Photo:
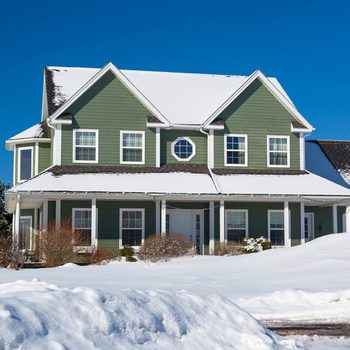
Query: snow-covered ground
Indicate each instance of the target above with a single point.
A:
(187, 303)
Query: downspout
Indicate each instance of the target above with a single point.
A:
(208, 157)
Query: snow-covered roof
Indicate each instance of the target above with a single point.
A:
(35, 131)
(184, 183)
(183, 98)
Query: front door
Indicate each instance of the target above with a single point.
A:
(188, 223)
(309, 226)
(25, 233)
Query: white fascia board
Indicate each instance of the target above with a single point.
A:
(11, 143)
(61, 122)
(275, 92)
(306, 131)
(124, 80)
(184, 126)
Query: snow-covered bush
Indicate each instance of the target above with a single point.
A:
(10, 255)
(254, 245)
(229, 248)
(162, 248)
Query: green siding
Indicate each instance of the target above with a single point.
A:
(341, 212)
(258, 114)
(109, 107)
(323, 217)
(17, 158)
(44, 156)
(168, 137)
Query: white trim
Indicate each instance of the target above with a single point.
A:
(287, 223)
(158, 147)
(31, 230)
(14, 165)
(123, 79)
(210, 149)
(17, 216)
(302, 150)
(302, 222)
(335, 218)
(157, 209)
(347, 219)
(211, 228)
(268, 137)
(58, 145)
(193, 149)
(58, 215)
(222, 222)
(121, 210)
(312, 233)
(96, 131)
(10, 144)
(122, 132)
(245, 211)
(275, 92)
(36, 166)
(233, 150)
(77, 248)
(94, 228)
(163, 217)
(45, 214)
(20, 149)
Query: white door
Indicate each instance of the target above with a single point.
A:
(25, 233)
(189, 223)
(309, 226)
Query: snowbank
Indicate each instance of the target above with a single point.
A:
(38, 315)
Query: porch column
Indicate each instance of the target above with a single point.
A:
(347, 218)
(93, 222)
(222, 222)
(163, 218)
(287, 240)
(157, 218)
(302, 222)
(157, 147)
(58, 215)
(211, 228)
(17, 219)
(335, 218)
(45, 215)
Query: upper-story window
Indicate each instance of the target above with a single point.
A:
(85, 146)
(132, 147)
(278, 151)
(236, 150)
(183, 149)
(25, 161)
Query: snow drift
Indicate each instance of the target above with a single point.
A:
(38, 315)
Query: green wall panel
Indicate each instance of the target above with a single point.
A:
(44, 156)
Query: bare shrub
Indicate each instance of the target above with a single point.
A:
(157, 248)
(56, 247)
(102, 255)
(10, 255)
(229, 248)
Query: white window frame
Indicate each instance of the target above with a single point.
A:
(79, 228)
(268, 150)
(122, 132)
(31, 230)
(20, 149)
(193, 149)
(96, 131)
(245, 149)
(246, 220)
(121, 210)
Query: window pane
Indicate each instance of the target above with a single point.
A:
(276, 220)
(235, 235)
(85, 138)
(278, 158)
(82, 153)
(132, 140)
(277, 237)
(236, 225)
(183, 149)
(26, 164)
(132, 155)
(235, 142)
(82, 219)
(132, 237)
(234, 157)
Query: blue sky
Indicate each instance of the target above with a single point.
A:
(303, 43)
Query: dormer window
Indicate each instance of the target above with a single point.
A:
(85, 146)
(25, 161)
(183, 149)
(278, 151)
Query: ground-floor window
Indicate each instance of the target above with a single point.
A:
(81, 222)
(132, 226)
(25, 233)
(236, 225)
(276, 227)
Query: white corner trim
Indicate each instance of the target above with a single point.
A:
(222, 222)
(302, 222)
(14, 165)
(287, 224)
(36, 166)
(302, 150)
(20, 149)
(96, 131)
(121, 147)
(210, 149)
(268, 150)
(158, 147)
(193, 149)
(121, 210)
(245, 150)
(58, 145)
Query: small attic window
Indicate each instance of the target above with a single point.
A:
(183, 149)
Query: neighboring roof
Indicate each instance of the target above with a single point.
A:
(40, 130)
(182, 98)
(336, 152)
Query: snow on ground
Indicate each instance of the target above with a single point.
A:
(196, 296)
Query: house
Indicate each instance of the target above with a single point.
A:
(125, 154)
